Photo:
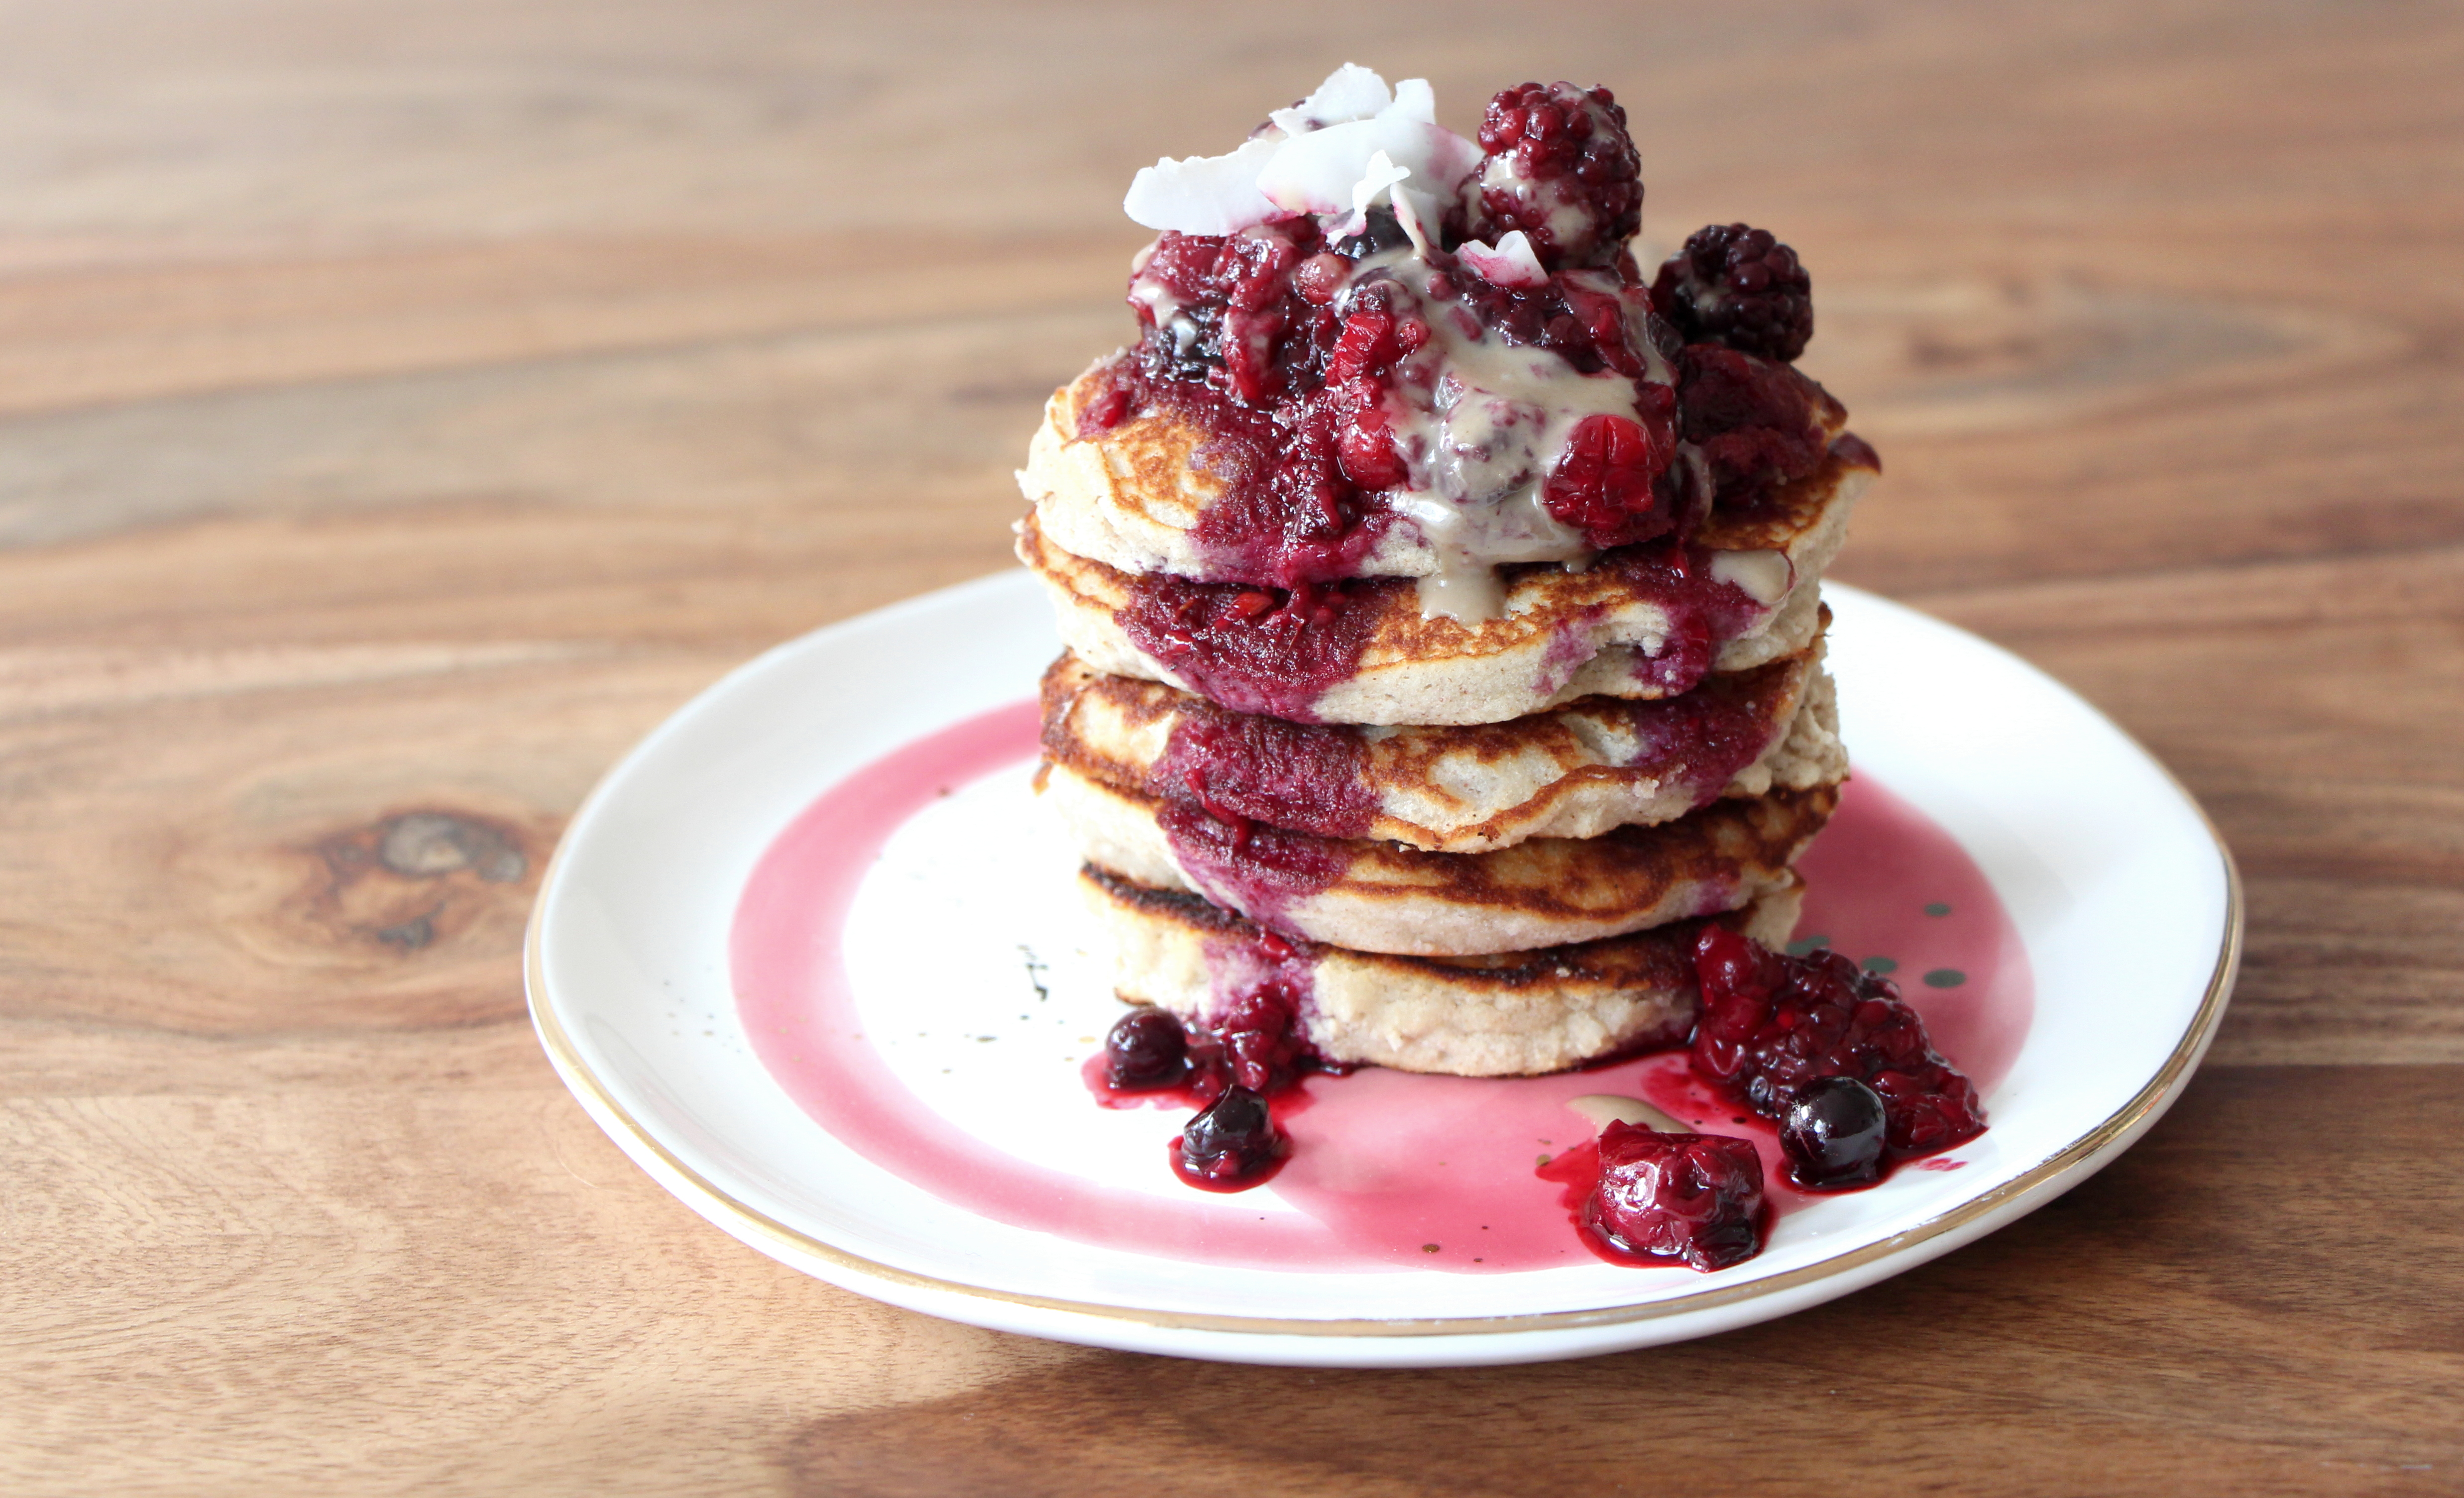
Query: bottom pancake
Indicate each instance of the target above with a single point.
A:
(1512, 1014)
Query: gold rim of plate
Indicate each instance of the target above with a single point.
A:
(2169, 1076)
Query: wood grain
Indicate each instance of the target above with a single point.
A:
(404, 409)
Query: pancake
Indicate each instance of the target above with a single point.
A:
(1575, 771)
(1380, 896)
(1503, 1015)
(1131, 498)
(1611, 631)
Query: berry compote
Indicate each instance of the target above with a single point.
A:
(1235, 1071)
(1772, 1027)
(1490, 377)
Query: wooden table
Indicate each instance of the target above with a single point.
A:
(403, 408)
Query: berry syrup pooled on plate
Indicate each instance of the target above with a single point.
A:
(1411, 377)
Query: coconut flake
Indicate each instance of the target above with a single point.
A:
(1204, 194)
(1509, 262)
(1415, 213)
(1318, 172)
(1345, 147)
(1381, 174)
(1351, 92)
(1413, 100)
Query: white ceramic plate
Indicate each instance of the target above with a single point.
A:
(2125, 901)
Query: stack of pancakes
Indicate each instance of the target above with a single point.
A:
(1485, 849)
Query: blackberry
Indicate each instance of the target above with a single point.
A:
(1740, 287)
(1214, 309)
(1756, 421)
(1560, 167)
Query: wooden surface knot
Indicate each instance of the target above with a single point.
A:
(408, 880)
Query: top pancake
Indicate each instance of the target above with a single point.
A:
(1130, 498)
(1602, 632)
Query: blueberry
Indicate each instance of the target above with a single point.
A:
(1146, 1049)
(1234, 1138)
(1832, 1135)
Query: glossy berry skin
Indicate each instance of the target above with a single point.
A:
(1770, 1024)
(1832, 1135)
(1740, 287)
(1233, 1139)
(1693, 1197)
(1561, 168)
(1146, 1049)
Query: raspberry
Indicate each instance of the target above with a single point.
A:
(1561, 168)
(1604, 484)
(1771, 1026)
(1740, 287)
(1366, 449)
(1678, 1196)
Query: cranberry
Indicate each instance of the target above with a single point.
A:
(1232, 1140)
(1831, 1135)
(1740, 287)
(1770, 1024)
(1678, 1196)
(1147, 1049)
(1561, 168)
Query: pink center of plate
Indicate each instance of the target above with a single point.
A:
(1389, 1170)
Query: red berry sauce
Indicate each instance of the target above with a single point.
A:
(1772, 1024)
(1251, 648)
(1237, 765)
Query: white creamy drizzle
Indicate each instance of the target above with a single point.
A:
(1763, 576)
(1479, 422)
